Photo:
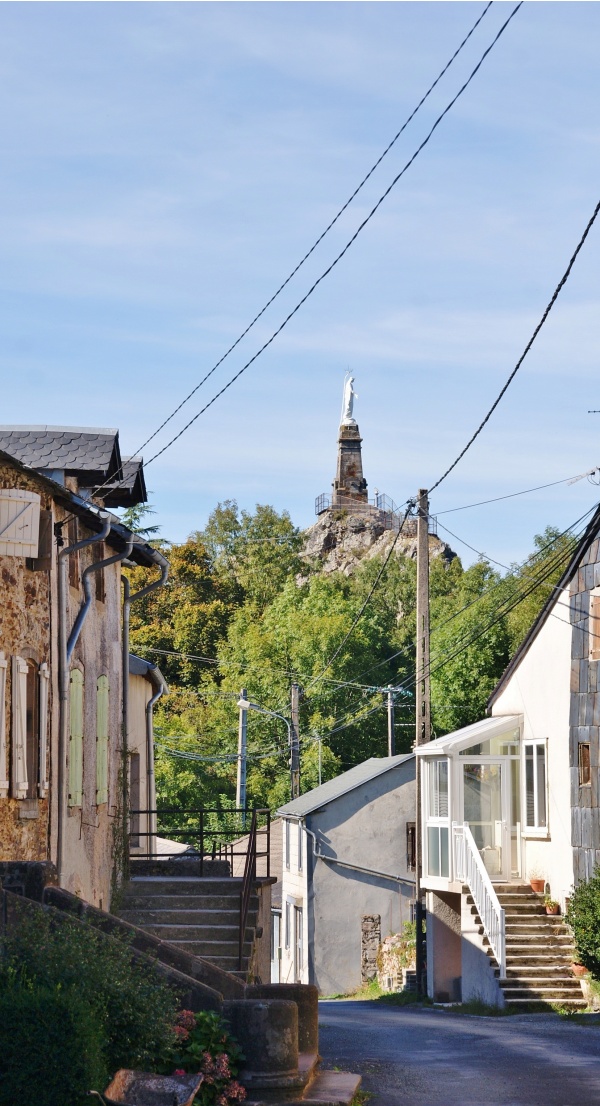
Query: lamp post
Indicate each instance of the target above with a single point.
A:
(245, 705)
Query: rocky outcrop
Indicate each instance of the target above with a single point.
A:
(340, 539)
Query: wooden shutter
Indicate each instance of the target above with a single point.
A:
(76, 738)
(4, 784)
(19, 728)
(43, 782)
(102, 740)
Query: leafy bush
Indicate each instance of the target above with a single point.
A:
(133, 1007)
(51, 1047)
(583, 916)
(204, 1044)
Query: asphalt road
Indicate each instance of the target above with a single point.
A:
(422, 1057)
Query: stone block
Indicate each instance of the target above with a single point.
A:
(306, 998)
(370, 934)
(267, 1032)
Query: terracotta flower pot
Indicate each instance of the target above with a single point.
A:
(553, 909)
(538, 885)
(578, 969)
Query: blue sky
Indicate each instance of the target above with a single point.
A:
(166, 164)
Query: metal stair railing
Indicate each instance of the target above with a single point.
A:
(247, 885)
(470, 869)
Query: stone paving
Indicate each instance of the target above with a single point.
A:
(413, 1056)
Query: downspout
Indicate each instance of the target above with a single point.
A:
(161, 689)
(63, 677)
(87, 589)
(356, 867)
(128, 599)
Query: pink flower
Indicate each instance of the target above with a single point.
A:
(179, 1071)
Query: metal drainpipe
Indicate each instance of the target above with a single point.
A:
(128, 599)
(161, 689)
(87, 591)
(63, 686)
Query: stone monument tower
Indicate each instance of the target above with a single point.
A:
(349, 486)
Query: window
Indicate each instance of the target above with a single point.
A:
(76, 738)
(288, 913)
(594, 625)
(438, 789)
(411, 846)
(102, 740)
(300, 843)
(585, 771)
(535, 786)
(44, 688)
(4, 783)
(20, 783)
(287, 845)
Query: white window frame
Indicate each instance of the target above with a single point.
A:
(536, 830)
(287, 844)
(300, 847)
(4, 780)
(287, 934)
(437, 821)
(20, 781)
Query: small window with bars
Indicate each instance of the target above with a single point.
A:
(585, 771)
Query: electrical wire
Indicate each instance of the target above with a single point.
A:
(514, 372)
(512, 495)
(349, 243)
(323, 234)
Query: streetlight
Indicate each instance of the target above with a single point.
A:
(244, 706)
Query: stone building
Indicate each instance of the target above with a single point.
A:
(62, 649)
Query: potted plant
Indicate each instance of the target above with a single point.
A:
(579, 970)
(537, 883)
(552, 907)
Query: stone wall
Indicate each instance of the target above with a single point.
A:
(584, 721)
(370, 940)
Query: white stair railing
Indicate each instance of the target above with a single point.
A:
(470, 869)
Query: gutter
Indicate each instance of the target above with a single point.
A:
(163, 564)
(159, 683)
(355, 867)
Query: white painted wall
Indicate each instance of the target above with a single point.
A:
(539, 689)
(294, 891)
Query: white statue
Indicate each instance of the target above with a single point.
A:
(348, 401)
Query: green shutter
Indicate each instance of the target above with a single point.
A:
(76, 738)
(102, 740)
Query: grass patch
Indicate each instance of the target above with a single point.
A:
(361, 1098)
(372, 992)
(478, 1009)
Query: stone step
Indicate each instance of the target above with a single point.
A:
(204, 918)
(223, 885)
(540, 989)
(171, 931)
(562, 963)
(205, 947)
(568, 1003)
(183, 902)
(550, 971)
(332, 1088)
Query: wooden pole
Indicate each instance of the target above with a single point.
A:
(391, 723)
(423, 710)
(240, 792)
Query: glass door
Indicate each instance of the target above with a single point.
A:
(486, 797)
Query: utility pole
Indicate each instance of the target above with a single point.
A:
(240, 791)
(423, 708)
(391, 722)
(295, 742)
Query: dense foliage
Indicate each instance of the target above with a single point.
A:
(51, 1047)
(242, 609)
(584, 918)
(131, 1008)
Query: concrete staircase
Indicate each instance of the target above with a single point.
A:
(198, 915)
(539, 952)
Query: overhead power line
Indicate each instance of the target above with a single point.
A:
(350, 242)
(325, 232)
(512, 495)
(559, 287)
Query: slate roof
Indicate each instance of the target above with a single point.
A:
(92, 453)
(130, 487)
(138, 666)
(341, 785)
